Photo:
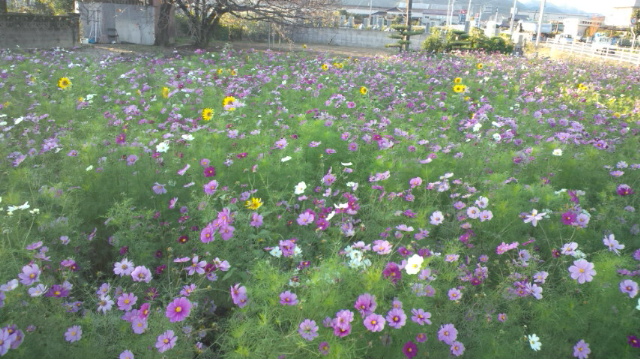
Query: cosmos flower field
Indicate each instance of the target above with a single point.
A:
(303, 205)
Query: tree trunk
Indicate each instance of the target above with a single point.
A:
(3, 6)
(408, 36)
(162, 34)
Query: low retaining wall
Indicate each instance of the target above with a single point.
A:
(28, 31)
(351, 37)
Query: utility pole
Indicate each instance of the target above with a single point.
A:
(542, 5)
(468, 18)
(513, 17)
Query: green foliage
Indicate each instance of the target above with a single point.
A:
(460, 40)
(378, 146)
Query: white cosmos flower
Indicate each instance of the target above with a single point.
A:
(300, 187)
(414, 263)
(162, 146)
(285, 159)
(557, 152)
(534, 341)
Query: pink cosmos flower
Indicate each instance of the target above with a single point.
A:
(447, 333)
(126, 301)
(73, 334)
(30, 274)
(374, 322)
(582, 271)
(629, 287)
(178, 310)
(581, 350)
(288, 298)
(166, 341)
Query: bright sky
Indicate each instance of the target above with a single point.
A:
(600, 6)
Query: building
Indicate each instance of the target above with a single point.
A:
(130, 21)
(579, 28)
(620, 13)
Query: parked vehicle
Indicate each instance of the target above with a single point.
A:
(563, 39)
(604, 45)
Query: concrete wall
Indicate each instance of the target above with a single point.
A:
(351, 37)
(29, 31)
(135, 24)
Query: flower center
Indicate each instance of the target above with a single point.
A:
(178, 309)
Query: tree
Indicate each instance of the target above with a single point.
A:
(204, 15)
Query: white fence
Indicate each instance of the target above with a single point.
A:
(612, 53)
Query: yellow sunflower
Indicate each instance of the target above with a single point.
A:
(363, 90)
(219, 71)
(64, 82)
(207, 114)
(459, 88)
(165, 92)
(582, 87)
(457, 80)
(338, 65)
(479, 66)
(253, 203)
(325, 67)
(233, 72)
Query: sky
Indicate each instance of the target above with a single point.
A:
(599, 6)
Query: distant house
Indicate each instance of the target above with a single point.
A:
(619, 15)
(128, 21)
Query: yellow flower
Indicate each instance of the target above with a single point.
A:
(325, 67)
(582, 87)
(459, 88)
(233, 72)
(253, 203)
(616, 114)
(64, 82)
(338, 65)
(457, 80)
(228, 101)
(304, 46)
(80, 99)
(363, 90)
(479, 66)
(207, 114)
(219, 72)
(165, 92)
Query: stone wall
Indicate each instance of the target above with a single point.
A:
(28, 31)
(350, 37)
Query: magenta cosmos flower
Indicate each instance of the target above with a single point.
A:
(365, 304)
(447, 333)
(178, 310)
(374, 322)
(239, 295)
(581, 350)
(624, 190)
(73, 334)
(410, 349)
(166, 341)
(582, 271)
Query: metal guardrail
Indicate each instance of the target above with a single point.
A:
(612, 53)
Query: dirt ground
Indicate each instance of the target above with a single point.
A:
(132, 49)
